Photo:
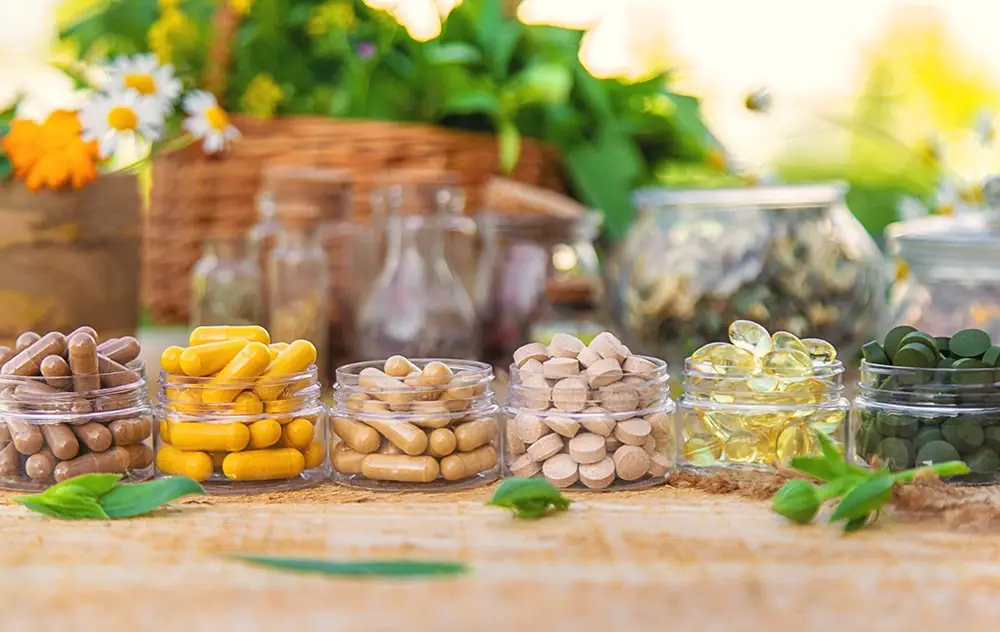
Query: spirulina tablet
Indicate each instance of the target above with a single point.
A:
(895, 337)
(937, 452)
(970, 343)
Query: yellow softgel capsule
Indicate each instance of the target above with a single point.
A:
(247, 403)
(829, 422)
(209, 358)
(750, 336)
(217, 333)
(298, 357)
(787, 363)
(702, 449)
(170, 360)
(741, 447)
(785, 340)
(763, 384)
(730, 359)
(703, 353)
(314, 455)
(793, 440)
(209, 437)
(248, 363)
(275, 348)
(264, 465)
(298, 433)
(820, 351)
(264, 433)
(195, 465)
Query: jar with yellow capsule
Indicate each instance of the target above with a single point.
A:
(241, 415)
(759, 400)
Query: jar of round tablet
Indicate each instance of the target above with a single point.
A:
(403, 424)
(906, 417)
(242, 434)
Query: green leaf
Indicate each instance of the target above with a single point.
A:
(599, 183)
(509, 140)
(841, 485)
(373, 568)
(798, 500)
(528, 497)
(473, 102)
(94, 484)
(830, 451)
(6, 168)
(543, 83)
(686, 117)
(126, 501)
(943, 470)
(817, 467)
(865, 498)
(454, 53)
(66, 503)
(855, 524)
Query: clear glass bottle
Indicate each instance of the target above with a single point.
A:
(417, 307)
(262, 237)
(225, 284)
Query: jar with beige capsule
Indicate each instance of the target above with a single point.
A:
(415, 425)
(589, 416)
(71, 405)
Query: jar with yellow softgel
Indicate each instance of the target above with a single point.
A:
(759, 400)
(241, 414)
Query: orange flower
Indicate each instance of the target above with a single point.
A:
(51, 154)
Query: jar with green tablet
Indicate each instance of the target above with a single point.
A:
(929, 399)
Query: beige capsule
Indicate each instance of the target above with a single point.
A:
(39, 466)
(532, 351)
(374, 406)
(566, 426)
(357, 435)
(401, 468)
(525, 466)
(633, 431)
(565, 346)
(461, 465)
(570, 394)
(441, 442)
(587, 447)
(473, 434)
(345, 460)
(27, 438)
(607, 346)
(388, 447)
(465, 386)
(453, 404)
(631, 462)
(558, 368)
(436, 374)
(399, 366)
(383, 387)
(25, 340)
(547, 446)
(97, 437)
(530, 428)
(430, 414)
(355, 401)
(598, 475)
(129, 431)
(113, 461)
(407, 437)
(604, 372)
(561, 470)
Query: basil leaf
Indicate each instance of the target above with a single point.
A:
(528, 497)
(817, 467)
(66, 503)
(127, 501)
(373, 568)
(855, 524)
(830, 451)
(865, 498)
(95, 484)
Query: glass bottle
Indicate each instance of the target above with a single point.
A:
(417, 307)
(262, 237)
(225, 284)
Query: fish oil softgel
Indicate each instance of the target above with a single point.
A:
(759, 399)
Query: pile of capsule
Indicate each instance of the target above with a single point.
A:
(68, 409)
(754, 399)
(236, 409)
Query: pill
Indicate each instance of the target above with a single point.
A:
(374, 406)
(298, 357)
(248, 363)
(588, 357)
(547, 446)
(170, 360)
(28, 361)
(650, 445)
(358, 436)
(398, 366)
(140, 456)
(525, 466)
(532, 366)
(345, 460)
(465, 464)
(129, 431)
(247, 403)
(604, 372)
(61, 440)
(619, 397)
(430, 414)
(474, 434)
(113, 461)
(25, 340)
(441, 442)
(10, 460)
(658, 465)
(453, 404)
(530, 428)
(609, 347)
(56, 372)
(566, 426)
(97, 437)
(388, 447)
(397, 467)
(355, 401)
(598, 475)
(282, 409)
(264, 433)
(561, 470)
(384, 388)
(263, 465)
(532, 351)
(611, 444)
(598, 420)
(90, 331)
(534, 391)
(4, 434)
(633, 431)
(516, 446)
(587, 447)
(27, 437)
(164, 431)
(196, 465)
(570, 394)
(121, 350)
(465, 386)
(34, 392)
(314, 455)
(407, 437)
(83, 363)
(209, 358)
(436, 374)
(298, 433)
(558, 368)
(275, 348)
(6, 353)
(638, 365)
(215, 333)
(565, 346)
(113, 374)
(39, 466)
(631, 462)
(209, 437)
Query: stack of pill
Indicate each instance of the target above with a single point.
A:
(588, 415)
(415, 422)
(72, 404)
(239, 408)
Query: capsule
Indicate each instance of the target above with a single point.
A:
(28, 361)
(264, 465)
(247, 403)
(129, 431)
(56, 372)
(113, 461)
(209, 358)
(275, 348)
(465, 464)
(398, 467)
(358, 436)
(121, 350)
(209, 437)
(216, 333)
(298, 433)
(187, 401)
(170, 360)
(474, 434)
(140, 456)
(114, 373)
(265, 433)
(407, 437)
(345, 460)
(298, 357)
(248, 363)
(83, 362)
(282, 409)
(196, 465)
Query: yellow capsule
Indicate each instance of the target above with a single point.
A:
(741, 447)
(314, 455)
(196, 465)
(209, 358)
(785, 340)
(702, 449)
(170, 360)
(263, 465)
(250, 362)
(264, 433)
(209, 437)
(247, 403)
(282, 407)
(820, 351)
(793, 440)
(787, 363)
(750, 336)
(730, 360)
(216, 333)
(298, 357)
(723, 423)
(763, 384)
(702, 354)
(298, 433)
(275, 348)
(829, 422)
(164, 431)
(186, 401)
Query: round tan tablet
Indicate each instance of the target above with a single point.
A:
(561, 470)
(531, 351)
(531, 366)
(633, 431)
(660, 423)
(547, 446)
(611, 444)
(638, 364)
(598, 475)
(565, 346)
(587, 447)
(570, 394)
(530, 428)
(587, 357)
(514, 442)
(619, 397)
(607, 346)
(650, 445)
(647, 394)
(659, 465)
(558, 368)
(565, 426)
(598, 421)
(631, 462)
(604, 372)
(536, 392)
(524, 465)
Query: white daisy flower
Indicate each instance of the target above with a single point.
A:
(111, 118)
(146, 76)
(208, 122)
(954, 199)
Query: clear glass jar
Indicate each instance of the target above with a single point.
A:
(245, 435)
(949, 274)
(792, 258)
(906, 417)
(225, 284)
(417, 307)
(388, 435)
(262, 238)
(617, 436)
(744, 421)
(48, 435)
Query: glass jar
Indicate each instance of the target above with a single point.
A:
(792, 258)
(949, 274)
(742, 421)
(225, 284)
(244, 435)
(48, 435)
(617, 436)
(417, 307)
(389, 435)
(905, 417)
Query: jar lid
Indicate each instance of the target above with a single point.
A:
(968, 239)
(543, 228)
(783, 196)
(508, 196)
(327, 189)
(417, 192)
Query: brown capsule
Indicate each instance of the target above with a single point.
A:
(56, 372)
(27, 437)
(121, 350)
(140, 456)
(90, 331)
(6, 353)
(61, 440)
(25, 340)
(83, 363)
(10, 460)
(129, 431)
(113, 461)
(344, 459)
(39, 466)
(465, 464)
(113, 373)
(4, 435)
(95, 436)
(33, 391)
(29, 361)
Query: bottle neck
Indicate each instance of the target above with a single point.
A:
(416, 234)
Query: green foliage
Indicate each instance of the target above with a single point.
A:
(102, 497)
(6, 117)
(396, 569)
(528, 498)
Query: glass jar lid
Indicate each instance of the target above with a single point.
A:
(969, 241)
(778, 196)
